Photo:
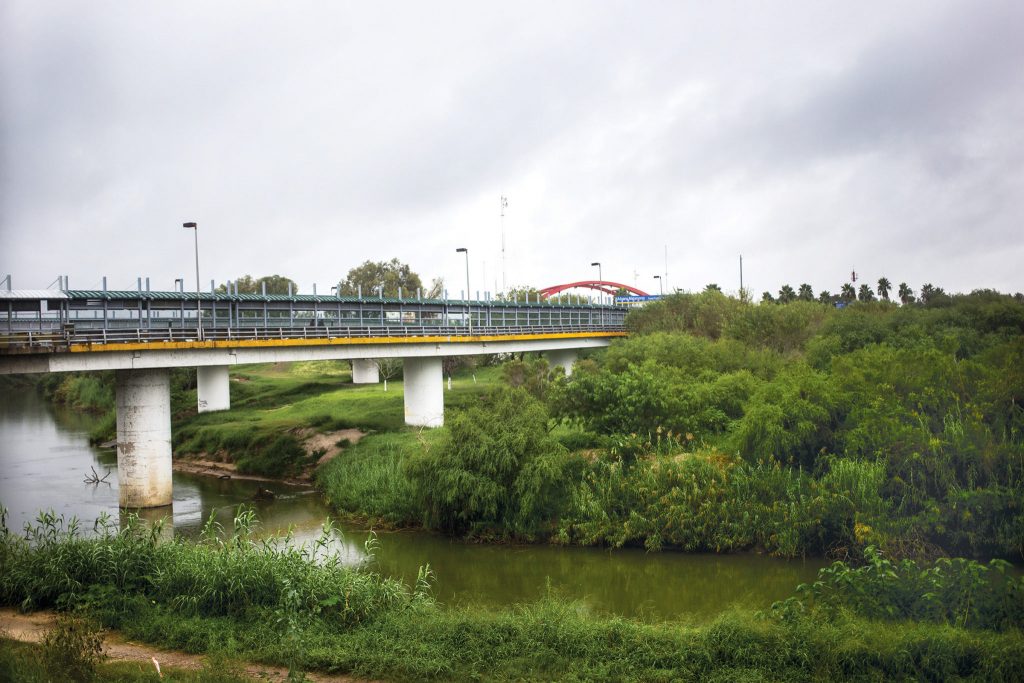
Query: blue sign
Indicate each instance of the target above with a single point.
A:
(636, 299)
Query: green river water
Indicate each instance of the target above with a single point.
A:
(44, 456)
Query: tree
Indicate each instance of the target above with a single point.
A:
(388, 368)
(906, 293)
(865, 294)
(806, 292)
(388, 276)
(786, 294)
(930, 293)
(848, 293)
(767, 298)
(883, 288)
(825, 297)
(436, 290)
(498, 470)
(276, 284)
(714, 287)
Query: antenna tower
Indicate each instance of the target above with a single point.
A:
(504, 203)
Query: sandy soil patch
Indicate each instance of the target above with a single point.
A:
(328, 442)
(215, 465)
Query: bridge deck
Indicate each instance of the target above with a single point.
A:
(57, 321)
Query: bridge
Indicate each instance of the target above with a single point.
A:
(141, 334)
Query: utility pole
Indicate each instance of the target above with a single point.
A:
(666, 263)
(741, 277)
(504, 203)
(199, 302)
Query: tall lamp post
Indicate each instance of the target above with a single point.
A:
(469, 309)
(599, 279)
(199, 302)
(661, 290)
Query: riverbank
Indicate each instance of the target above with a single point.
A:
(274, 604)
(320, 448)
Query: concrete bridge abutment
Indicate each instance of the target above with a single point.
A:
(365, 371)
(143, 400)
(562, 358)
(213, 388)
(424, 392)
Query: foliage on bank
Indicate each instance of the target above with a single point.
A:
(932, 396)
(230, 596)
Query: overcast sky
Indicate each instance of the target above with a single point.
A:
(308, 137)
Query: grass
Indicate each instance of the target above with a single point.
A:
(276, 604)
(269, 401)
(30, 663)
(369, 479)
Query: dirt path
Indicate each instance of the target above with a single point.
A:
(30, 628)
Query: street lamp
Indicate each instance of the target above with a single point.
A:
(661, 290)
(469, 310)
(599, 279)
(199, 302)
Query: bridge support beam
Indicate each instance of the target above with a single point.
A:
(364, 371)
(143, 399)
(213, 388)
(562, 358)
(424, 392)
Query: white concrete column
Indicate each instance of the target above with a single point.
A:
(143, 399)
(213, 388)
(424, 392)
(562, 358)
(364, 371)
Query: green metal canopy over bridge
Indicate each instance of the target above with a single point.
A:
(40, 321)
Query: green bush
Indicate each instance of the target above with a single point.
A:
(792, 418)
(958, 592)
(497, 471)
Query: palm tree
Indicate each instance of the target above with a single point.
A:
(825, 297)
(906, 293)
(786, 294)
(865, 294)
(806, 292)
(927, 292)
(712, 288)
(883, 288)
(767, 298)
(848, 293)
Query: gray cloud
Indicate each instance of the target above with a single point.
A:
(308, 139)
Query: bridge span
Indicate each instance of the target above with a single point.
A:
(141, 335)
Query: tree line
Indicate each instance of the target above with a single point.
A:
(929, 293)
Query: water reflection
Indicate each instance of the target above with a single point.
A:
(44, 456)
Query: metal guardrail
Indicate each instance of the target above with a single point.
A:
(52, 340)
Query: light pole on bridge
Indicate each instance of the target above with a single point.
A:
(469, 309)
(199, 302)
(600, 278)
(661, 289)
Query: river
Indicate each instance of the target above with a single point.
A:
(45, 455)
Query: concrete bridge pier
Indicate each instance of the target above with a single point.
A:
(213, 388)
(562, 358)
(364, 371)
(424, 392)
(143, 399)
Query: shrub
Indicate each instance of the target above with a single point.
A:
(498, 470)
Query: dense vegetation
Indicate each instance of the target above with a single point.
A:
(721, 425)
(299, 607)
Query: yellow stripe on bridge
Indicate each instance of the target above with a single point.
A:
(327, 341)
